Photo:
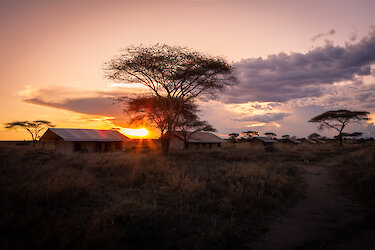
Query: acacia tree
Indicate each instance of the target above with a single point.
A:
(189, 123)
(351, 135)
(176, 75)
(270, 134)
(233, 137)
(249, 134)
(314, 136)
(338, 119)
(153, 110)
(34, 127)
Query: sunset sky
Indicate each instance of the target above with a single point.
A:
(295, 59)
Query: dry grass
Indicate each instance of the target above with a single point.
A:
(214, 199)
(356, 173)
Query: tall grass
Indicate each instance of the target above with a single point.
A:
(214, 199)
(356, 172)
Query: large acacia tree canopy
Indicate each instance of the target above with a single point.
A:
(171, 71)
(339, 118)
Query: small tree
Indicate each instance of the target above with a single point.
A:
(175, 75)
(233, 137)
(270, 134)
(285, 136)
(314, 136)
(188, 123)
(34, 127)
(249, 134)
(338, 119)
(352, 135)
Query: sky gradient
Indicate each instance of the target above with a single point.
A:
(295, 59)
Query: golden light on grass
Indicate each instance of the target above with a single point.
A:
(135, 133)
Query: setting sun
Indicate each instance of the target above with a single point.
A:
(135, 133)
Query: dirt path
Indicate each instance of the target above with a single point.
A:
(320, 216)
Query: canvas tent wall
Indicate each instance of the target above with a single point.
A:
(265, 141)
(195, 140)
(69, 141)
(290, 140)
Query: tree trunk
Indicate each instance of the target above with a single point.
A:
(165, 140)
(340, 138)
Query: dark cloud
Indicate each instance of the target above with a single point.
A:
(330, 32)
(94, 103)
(283, 77)
(89, 105)
(266, 118)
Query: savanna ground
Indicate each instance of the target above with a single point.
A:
(224, 198)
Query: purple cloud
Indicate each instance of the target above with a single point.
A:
(283, 77)
(266, 118)
(330, 32)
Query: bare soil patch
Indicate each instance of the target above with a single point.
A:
(324, 218)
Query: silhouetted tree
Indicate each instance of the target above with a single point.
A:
(338, 119)
(172, 73)
(270, 134)
(233, 137)
(314, 136)
(351, 135)
(189, 123)
(34, 127)
(249, 134)
(285, 136)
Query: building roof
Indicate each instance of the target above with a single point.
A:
(309, 140)
(293, 140)
(320, 141)
(68, 134)
(264, 139)
(200, 137)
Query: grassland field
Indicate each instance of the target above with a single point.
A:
(137, 199)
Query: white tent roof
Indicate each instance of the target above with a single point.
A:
(264, 139)
(201, 137)
(68, 134)
(295, 141)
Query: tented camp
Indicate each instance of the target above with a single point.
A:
(265, 141)
(307, 141)
(183, 140)
(290, 140)
(69, 141)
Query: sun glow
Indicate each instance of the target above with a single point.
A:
(135, 133)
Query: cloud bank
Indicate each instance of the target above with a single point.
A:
(283, 77)
(266, 118)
